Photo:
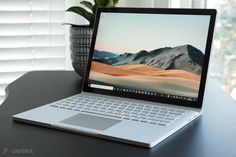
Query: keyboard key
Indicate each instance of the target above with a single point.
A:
(147, 109)
(142, 117)
(117, 113)
(172, 116)
(128, 109)
(121, 108)
(136, 111)
(153, 113)
(153, 123)
(126, 115)
(139, 108)
(164, 112)
(135, 116)
(103, 108)
(144, 121)
(144, 112)
(163, 108)
(161, 115)
(126, 103)
(162, 124)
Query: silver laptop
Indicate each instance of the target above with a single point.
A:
(145, 77)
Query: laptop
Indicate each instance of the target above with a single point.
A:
(145, 78)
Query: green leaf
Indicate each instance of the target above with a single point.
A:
(101, 3)
(87, 4)
(95, 7)
(109, 3)
(115, 2)
(84, 13)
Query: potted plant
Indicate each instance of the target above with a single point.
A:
(81, 35)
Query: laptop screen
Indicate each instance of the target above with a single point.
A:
(158, 55)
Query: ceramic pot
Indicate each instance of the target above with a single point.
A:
(80, 41)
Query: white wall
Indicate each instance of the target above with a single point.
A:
(164, 3)
(144, 3)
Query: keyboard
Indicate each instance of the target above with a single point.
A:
(139, 112)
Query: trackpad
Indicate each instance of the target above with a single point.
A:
(89, 121)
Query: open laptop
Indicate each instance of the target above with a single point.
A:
(145, 77)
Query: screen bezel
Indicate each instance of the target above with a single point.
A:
(198, 103)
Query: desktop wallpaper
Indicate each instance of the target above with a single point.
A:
(150, 52)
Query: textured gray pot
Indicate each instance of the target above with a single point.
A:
(80, 39)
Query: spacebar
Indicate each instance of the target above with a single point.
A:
(102, 114)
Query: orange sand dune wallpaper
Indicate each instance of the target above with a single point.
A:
(167, 70)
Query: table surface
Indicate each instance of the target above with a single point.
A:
(211, 135)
